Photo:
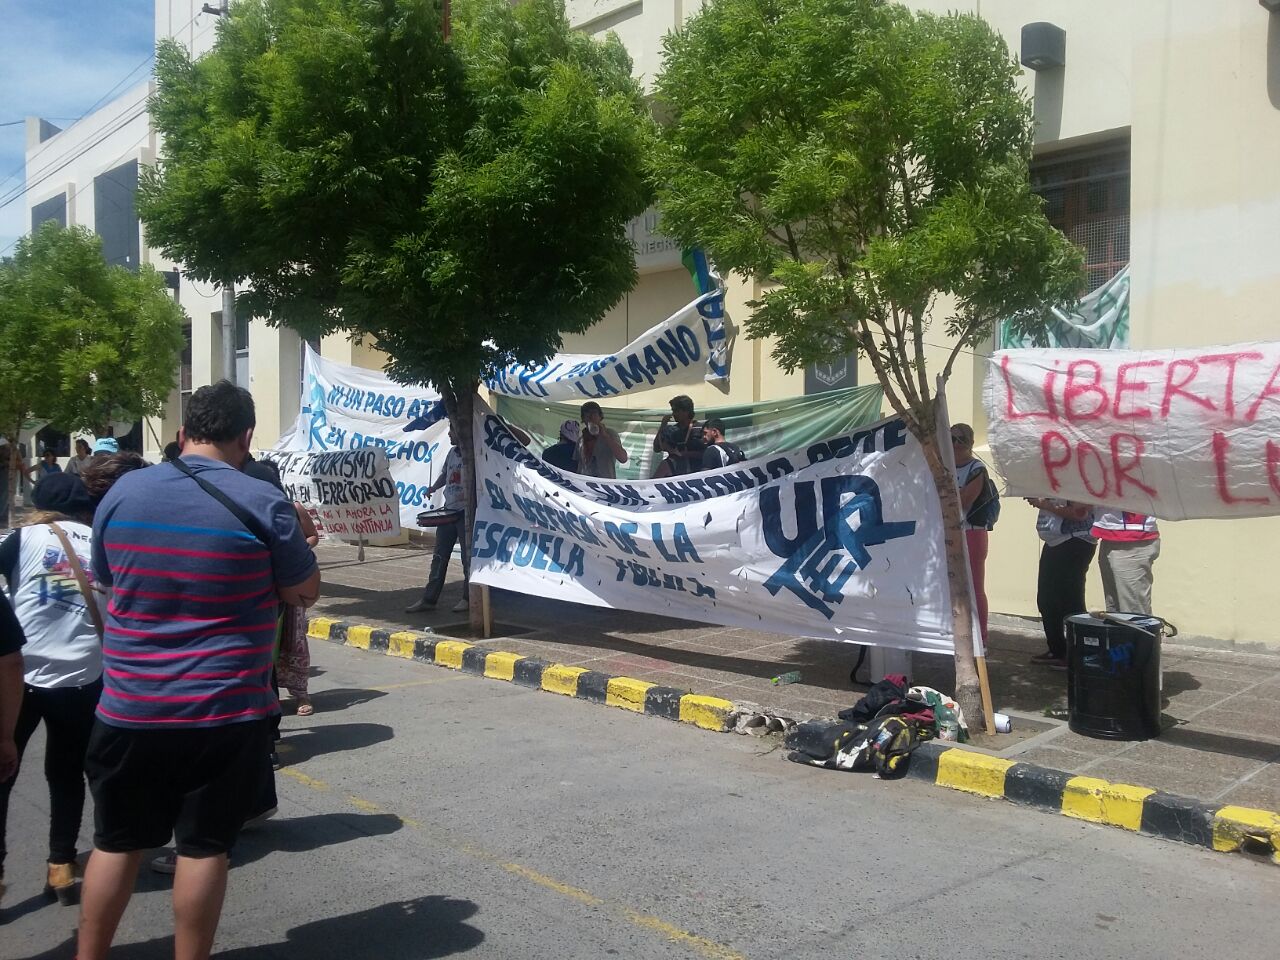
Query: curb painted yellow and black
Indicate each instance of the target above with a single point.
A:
(1137, 809)
(638, 696)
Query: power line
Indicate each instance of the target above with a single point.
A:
(101, 100)
(137, 143)
(20, 191)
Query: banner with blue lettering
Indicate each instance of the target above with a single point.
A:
(690, 345)
(842, 539)
(351, 408)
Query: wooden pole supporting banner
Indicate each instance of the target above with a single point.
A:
(984, 686)
(486, 608)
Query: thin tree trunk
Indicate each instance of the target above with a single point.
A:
(459, 401)
(967, 692)
(12, 467)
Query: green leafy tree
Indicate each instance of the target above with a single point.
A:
(869, 166)
(460, 203)
(82, 343)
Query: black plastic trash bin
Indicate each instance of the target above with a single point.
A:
(1114, 684)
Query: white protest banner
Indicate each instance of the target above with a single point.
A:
(690, 345)
(1176, 434)
(349, 493)
(349, 408)
(841, 540)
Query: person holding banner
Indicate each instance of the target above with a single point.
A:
(1069, 545)
(564, 455)
(448, 534)
(971, 477)
(682, 441)
(1130, 546)
(720, 452)
(599, 449)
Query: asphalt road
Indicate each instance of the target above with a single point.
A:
(431, 814)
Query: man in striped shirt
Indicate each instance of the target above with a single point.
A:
(196, 558)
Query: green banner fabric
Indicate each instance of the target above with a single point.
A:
(774, 426)
(1099, 321)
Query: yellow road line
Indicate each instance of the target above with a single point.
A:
(303, 779)
(708, 948)
(702, 946)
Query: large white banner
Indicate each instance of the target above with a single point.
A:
(350, 408)
(349, 493)
(689, 346)
(842, 540)
(1177, 434)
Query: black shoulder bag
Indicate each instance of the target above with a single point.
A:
(251, 523)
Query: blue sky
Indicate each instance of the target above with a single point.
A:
(57, 58)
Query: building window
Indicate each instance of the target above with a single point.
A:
(1086, 196)
(115, 216)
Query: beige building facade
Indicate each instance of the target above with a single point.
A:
(1157, 147)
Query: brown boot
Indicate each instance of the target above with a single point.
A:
(62, 883)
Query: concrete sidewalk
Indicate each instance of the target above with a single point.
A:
(1221, 743)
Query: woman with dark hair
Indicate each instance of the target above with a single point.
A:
(47, 564)
(293, 658)
(105, 469)
(82, 458)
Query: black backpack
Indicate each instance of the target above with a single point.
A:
(732, 452)
(986, 509)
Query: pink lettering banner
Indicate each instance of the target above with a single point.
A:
(1177, 434)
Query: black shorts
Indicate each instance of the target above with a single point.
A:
(198, 785)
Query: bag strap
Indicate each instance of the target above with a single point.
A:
(86, 591)
(251, 523)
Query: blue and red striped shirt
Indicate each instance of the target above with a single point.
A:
(191, 622)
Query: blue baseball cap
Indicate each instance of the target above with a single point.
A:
(106, 445)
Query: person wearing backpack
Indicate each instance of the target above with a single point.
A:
(720, 452)
(980, 501)
(46, 564)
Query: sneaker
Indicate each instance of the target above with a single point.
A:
(166, 864)
(419, 606)
(462, 606)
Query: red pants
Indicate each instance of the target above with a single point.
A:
(977, 543)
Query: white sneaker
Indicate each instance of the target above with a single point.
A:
(462, 606)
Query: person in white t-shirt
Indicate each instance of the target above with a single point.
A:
(448, 534)
(62, 658)
(82, 458)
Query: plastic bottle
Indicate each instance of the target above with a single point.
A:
(948, 722)
(791, 676)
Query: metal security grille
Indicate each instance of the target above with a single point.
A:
(1086, 196)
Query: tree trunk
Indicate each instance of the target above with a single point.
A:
(12, 468)
(967, 692)
(459, 401)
